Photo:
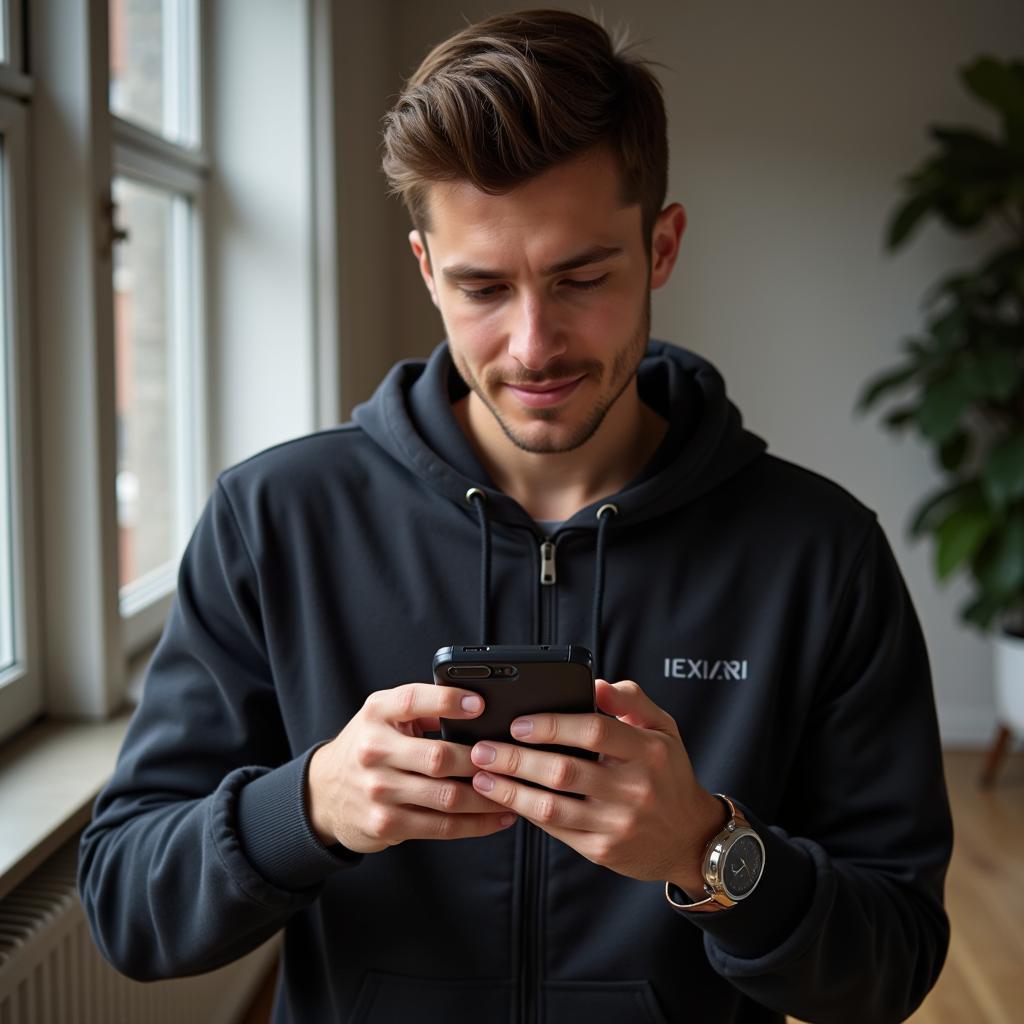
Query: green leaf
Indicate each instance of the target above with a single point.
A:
(992, 374)
(959, 537)
(938, 505)
(966, 204)
(1003, 474)
(900, 419)
(877, 386)
(945, 400)
(998, 85)
(982, 610)
(953, 452)
(949, 327)
(905, 219)
(972, 154)
(1000, 570)
(959, 285)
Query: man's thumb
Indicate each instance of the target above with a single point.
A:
(628, 703)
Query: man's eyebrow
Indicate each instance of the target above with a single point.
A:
(595, 254)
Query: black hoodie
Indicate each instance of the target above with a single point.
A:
(759, 603)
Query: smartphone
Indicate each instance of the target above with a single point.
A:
(514, 681)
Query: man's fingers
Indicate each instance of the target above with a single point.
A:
(435, 825)
(411, 701)
(438, 759)
(585, 731)
(544, 809)
(556, 771)
(449, 796)
(628, 703)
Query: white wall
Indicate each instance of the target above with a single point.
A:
(260, 263)
(790, 124)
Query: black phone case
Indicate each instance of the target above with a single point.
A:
(547, 678)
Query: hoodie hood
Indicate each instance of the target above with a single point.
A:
(410, 416)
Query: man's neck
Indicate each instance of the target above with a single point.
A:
(554, 486)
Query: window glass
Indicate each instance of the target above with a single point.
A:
(7, 581)
(148, 290)
(153, 65)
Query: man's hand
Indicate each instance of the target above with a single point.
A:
(644, 814)
(380, 782)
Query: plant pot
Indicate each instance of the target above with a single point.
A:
(1009, 673)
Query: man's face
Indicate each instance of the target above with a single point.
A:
(545, 296)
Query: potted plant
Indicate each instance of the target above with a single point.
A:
(965, 373)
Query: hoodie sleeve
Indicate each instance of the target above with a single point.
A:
(847, 923)
(199, 848)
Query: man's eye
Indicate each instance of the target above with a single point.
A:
(481, 294)
(586, 285)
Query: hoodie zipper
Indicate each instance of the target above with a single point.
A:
(530, 967)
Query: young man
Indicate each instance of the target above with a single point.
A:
(281, 772)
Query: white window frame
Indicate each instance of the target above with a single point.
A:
(21, 691)
(180, 169)
(77, 147)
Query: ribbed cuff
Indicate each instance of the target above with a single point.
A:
(773, 911)
(276, 835)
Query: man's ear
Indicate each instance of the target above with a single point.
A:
(665, 238)
(418, 244)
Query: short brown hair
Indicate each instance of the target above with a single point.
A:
(511, 96)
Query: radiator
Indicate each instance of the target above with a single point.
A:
(51, 973)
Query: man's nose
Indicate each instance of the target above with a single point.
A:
(535, 338)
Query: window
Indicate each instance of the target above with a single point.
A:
(154, 66)
(105, 451)
(20, 694)
(157, 200)
(7, 584)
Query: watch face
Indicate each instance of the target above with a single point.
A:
(742, 867)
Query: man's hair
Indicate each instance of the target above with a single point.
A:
(511, 96)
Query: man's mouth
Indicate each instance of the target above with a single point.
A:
(549, 392)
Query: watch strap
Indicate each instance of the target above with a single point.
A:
(712, 902)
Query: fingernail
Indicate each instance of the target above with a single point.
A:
(483, 781)
(507, 819)
(484, 753)
(471, 702)
(522, 727)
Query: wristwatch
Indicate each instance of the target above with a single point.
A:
(732, 866)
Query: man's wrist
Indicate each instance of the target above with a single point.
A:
(713, 818)
(319, 828)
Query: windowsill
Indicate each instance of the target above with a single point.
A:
(49, 778)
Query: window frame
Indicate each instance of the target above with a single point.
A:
(21, 689)
(180, 169)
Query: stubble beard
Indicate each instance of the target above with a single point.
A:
(623, 369)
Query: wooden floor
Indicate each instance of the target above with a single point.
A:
(983, 980)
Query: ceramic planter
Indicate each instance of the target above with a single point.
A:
(1009, 676)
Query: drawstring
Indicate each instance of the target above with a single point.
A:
(604, 517)
(477, 497)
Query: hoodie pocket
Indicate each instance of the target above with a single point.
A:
(602, 1002)
(387, 998)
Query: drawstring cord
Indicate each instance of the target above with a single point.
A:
(477, 498)
(604, 517)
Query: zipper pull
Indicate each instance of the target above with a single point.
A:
(547, 563)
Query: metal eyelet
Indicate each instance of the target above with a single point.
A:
(607, 509)
(475, 492)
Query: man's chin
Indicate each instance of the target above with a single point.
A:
(545, 435)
